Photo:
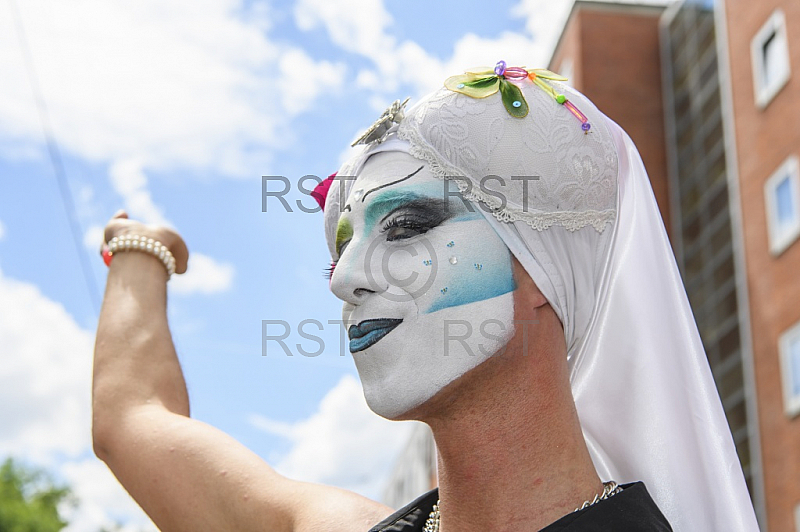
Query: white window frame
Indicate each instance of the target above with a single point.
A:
(775, 25)
(782, 238)
(791, 402)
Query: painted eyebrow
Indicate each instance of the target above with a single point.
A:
(409, 176)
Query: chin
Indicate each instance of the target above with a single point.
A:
(404, 371)
(396, 403)
(410, 400)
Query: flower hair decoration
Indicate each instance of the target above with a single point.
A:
(483, 82)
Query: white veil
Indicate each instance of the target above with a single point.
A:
(664, 419)
(590, 234)
(647, 401)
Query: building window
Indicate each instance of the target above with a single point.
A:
(789, 347)
(769, 50)
(782, 193)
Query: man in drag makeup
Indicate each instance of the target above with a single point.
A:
(507, 280)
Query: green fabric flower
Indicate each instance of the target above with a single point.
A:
(483, 82)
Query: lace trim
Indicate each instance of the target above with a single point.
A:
(570, 220)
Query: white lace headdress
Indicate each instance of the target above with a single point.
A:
(574, 204)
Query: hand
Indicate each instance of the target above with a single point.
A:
(120, 225)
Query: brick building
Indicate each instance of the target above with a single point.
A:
(709, 92)
(762, 42)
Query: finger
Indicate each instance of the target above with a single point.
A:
(115, 227)
(114, 224)
(181, 254)
(170, 238)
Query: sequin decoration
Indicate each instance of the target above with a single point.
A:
(484, 82)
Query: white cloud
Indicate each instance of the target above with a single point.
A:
(172, 84)
(362, 27)
(45, 375)
(93, 238)
(104, 504)
(343, 444)
(544, 19)
(86, 202)
(204, 276)
(45, 383)
(130, 182)
(354, 25)
(298, 93)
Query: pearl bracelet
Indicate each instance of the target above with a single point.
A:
(143, 243)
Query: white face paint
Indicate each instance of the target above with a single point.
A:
(427, 283)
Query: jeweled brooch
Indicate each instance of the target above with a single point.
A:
(378, 131)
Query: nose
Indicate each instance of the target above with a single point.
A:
(355, 277)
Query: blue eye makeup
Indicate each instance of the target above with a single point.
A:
(404, 212)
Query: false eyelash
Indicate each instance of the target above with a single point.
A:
(414, 223)
(406, 222)
(328, 272)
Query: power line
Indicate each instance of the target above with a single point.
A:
(56, 161)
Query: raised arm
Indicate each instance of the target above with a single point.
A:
(186, 474)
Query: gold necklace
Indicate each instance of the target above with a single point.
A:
(610, 489)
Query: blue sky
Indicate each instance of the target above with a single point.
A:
(173, 110)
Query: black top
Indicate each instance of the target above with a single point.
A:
(631, 510)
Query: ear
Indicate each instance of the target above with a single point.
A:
(527, 291)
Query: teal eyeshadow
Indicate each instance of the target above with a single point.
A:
(389, 200)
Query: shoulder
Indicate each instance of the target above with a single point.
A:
(316, 508)
(632, 510)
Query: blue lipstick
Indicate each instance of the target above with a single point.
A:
(369, 332)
